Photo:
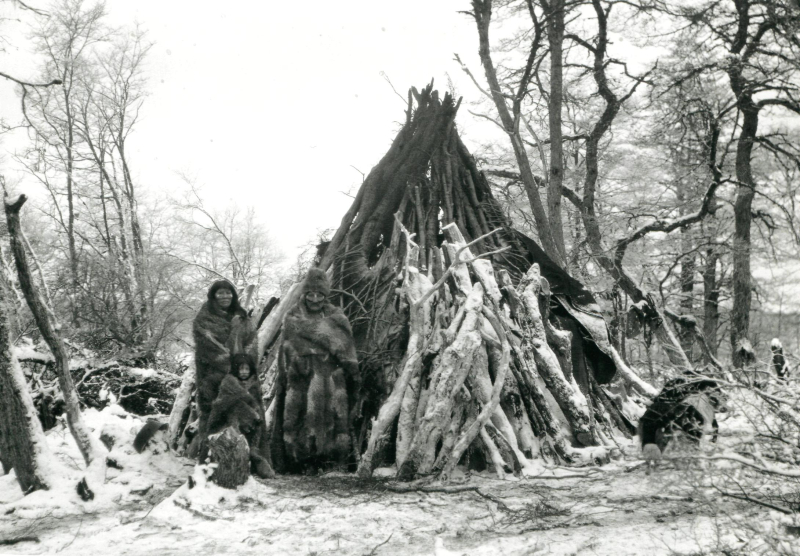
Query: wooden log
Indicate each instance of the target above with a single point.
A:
(460, 272)
(415, 287)
(446, 381)
(406, 422)
(229, 450)
(272, 324)
(469, 434)
(457, 420)
(569, 398)
(181, 408)
(619, 419)
(507, 452)
(537, 406)
(512, 405)
(499, 465)
(630, 377)
(481, 385)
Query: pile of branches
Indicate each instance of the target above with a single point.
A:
(141, 391)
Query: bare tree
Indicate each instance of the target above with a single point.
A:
(65, 39)
(223, 242)
(511, 118)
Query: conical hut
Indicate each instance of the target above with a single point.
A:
(474, 346)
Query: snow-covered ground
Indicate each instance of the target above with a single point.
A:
(148, 507)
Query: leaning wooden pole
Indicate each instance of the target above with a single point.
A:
(88, 447)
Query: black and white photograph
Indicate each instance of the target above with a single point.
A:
(370, 278)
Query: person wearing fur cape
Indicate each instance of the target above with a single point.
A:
(221, 327)
(317, 384)
(239, 404)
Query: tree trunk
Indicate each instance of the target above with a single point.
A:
(742, 213)
(229, 450)
(23, 445)
(555, 36)
(88, 447)
(710, 300)
(482, 11)
(687, 287)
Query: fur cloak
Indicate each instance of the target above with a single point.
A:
(235, 405)
(239, 404)
(214, 330)
(318, 381)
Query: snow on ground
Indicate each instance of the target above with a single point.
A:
(148, 507)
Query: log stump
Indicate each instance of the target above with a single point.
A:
(229, 450)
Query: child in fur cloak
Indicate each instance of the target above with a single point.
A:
(317, 385)
(239, 404)
(212, 329)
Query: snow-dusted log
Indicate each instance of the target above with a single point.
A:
(490, 406)
(23, 445)
(90, 448)
(537, 404)
(629, 376)
(415, 288)
(271, 326)
(446, 381)
(568, 396)
(181, 409)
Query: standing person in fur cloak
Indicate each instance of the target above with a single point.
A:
(220, 322)
(318, 382)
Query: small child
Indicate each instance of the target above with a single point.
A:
(239, 404)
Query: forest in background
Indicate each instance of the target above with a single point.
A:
(650, 148)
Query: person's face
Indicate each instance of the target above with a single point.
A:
(244, 371)
(315, 301)
(224, 297)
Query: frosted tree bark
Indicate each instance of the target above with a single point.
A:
(22, 442)
(178, 417)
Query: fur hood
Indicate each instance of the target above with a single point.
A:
(234, 309)
(316, 281)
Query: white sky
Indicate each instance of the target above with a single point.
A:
(272, 103)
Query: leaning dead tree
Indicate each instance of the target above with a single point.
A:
(473, 345)
(89, 447)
